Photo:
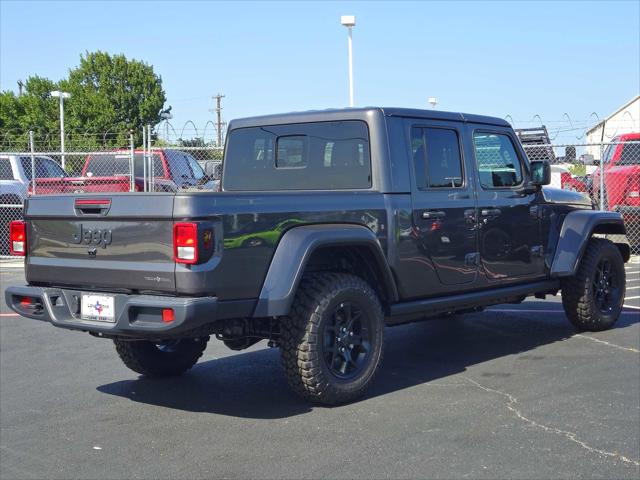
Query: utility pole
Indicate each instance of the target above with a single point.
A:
(218, 111)
(20, 87)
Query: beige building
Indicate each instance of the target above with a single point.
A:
(624, 120)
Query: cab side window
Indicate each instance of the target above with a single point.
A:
(436, 158)
(498, 164)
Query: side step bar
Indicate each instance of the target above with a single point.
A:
(463, 301)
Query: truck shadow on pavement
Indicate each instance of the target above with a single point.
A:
(252, 385)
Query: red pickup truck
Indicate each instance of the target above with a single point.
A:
(621, 165)
(110, 172)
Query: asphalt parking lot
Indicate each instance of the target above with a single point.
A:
(512, 392)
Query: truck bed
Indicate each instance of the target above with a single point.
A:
(128, 247)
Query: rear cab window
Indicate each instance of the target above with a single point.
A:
(301, 156)
(118, 164)
(499, 165)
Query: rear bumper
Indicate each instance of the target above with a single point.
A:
(138, 316)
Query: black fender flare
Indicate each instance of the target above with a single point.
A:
(577, 229)
(293, 252)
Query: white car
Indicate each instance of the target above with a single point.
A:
(15, 176)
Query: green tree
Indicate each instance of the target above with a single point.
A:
(110, 96)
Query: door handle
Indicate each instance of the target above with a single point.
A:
(433, 214)
(490, 212)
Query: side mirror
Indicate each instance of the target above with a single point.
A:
(540, 172)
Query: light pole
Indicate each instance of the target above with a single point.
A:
(349, 21)
(61, 95)
(433, 101)
(166, 116)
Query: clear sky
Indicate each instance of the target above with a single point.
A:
(498, 58)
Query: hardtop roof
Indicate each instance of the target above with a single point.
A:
(361, 113)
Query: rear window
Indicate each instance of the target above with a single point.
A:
(303, 156)
(436, 158)
(111, 165)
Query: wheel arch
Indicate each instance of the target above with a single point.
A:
(577, 228)
(312, 246)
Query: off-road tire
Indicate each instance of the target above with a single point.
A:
(302, 333)
(578, 295)
(150, 360)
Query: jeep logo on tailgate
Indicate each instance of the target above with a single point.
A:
(95, 237)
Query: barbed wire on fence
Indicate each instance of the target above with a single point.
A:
(606, 172)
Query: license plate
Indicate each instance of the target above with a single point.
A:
(99, 308)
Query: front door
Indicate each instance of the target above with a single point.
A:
(444, 210)
(508, 219)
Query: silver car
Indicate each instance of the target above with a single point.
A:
(15, 176)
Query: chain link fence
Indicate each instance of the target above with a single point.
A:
(33, 164)
(608, 173)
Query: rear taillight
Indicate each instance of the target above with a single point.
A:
(17, 238)
(633, 190)
(634, 187)
(185, 242)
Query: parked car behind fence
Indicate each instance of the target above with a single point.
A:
(16, 182)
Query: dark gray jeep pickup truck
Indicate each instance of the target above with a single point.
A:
(330, 226)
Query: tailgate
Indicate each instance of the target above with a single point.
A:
(118, 242)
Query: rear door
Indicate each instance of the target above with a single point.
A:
(444, 208)
(119, 242)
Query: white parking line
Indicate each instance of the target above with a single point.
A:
(589, 337)
(633, 288)
(632, 298)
